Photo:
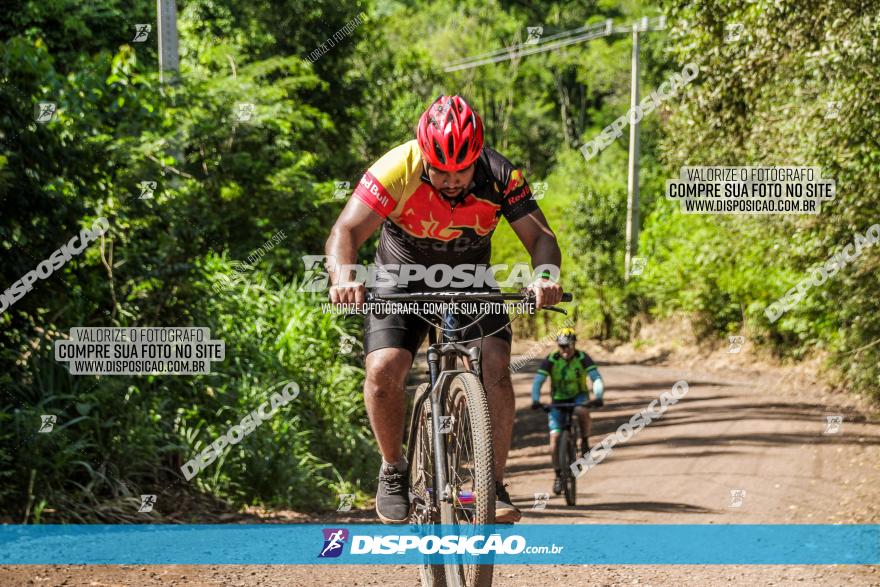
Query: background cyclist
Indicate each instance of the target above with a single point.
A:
(568, 369)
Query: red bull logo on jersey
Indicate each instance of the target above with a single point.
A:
(426, 214)
(516, 181)
(375, 189)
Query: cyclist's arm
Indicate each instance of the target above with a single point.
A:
(540, 241)
(598, 384)
(528, 222)
(595, 377)
(353, 227)
(540, 378)
(373, 199)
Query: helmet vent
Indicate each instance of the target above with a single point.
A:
(439, 152)
(462, 153)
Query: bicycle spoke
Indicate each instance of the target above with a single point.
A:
(422, 479)
(463, 479)
(461, 461)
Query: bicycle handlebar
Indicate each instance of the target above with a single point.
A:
(462, 296)
(432, 296)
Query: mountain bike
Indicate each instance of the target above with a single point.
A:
(566, 448)
(449, 441)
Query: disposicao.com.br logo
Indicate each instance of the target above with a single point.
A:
(334, 540)
(447, 544)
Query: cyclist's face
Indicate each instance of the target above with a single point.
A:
(567, 350)
(451, 184)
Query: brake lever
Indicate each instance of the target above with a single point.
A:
(530, 297)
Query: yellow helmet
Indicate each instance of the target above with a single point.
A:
(566, 337)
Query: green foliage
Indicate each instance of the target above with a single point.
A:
(313, 448)
(764, 101)
(227, 186)
(118, 437)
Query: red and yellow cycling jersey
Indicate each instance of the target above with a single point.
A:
(421, 226)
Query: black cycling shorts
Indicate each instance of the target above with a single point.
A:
(408, 331)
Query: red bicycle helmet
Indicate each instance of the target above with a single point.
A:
(450, 134)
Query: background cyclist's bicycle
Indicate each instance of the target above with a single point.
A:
(566, 448)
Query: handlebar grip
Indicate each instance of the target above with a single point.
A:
(566, 297)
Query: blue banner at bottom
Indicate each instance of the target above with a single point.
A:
(377, 544)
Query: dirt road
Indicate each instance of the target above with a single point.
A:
(736, 430)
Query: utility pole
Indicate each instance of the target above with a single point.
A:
(632, 183)
(169, 62)
(169, 67)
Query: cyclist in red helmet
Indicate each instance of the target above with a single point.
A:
(438, 200)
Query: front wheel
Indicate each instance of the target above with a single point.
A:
(422, 487)
(469, 470)
(567, 452)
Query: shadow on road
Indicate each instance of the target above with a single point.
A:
(617, 506)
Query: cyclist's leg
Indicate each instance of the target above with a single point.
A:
(390, 342)
(554, 422)
(583, 414)
(385, 398)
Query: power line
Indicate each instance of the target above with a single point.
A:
(598, 30)
(542, 43)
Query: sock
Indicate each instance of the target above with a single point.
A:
(400, 465)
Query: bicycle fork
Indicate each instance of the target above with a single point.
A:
(442, 490)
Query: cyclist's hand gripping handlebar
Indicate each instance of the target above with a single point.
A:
(566, 297)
